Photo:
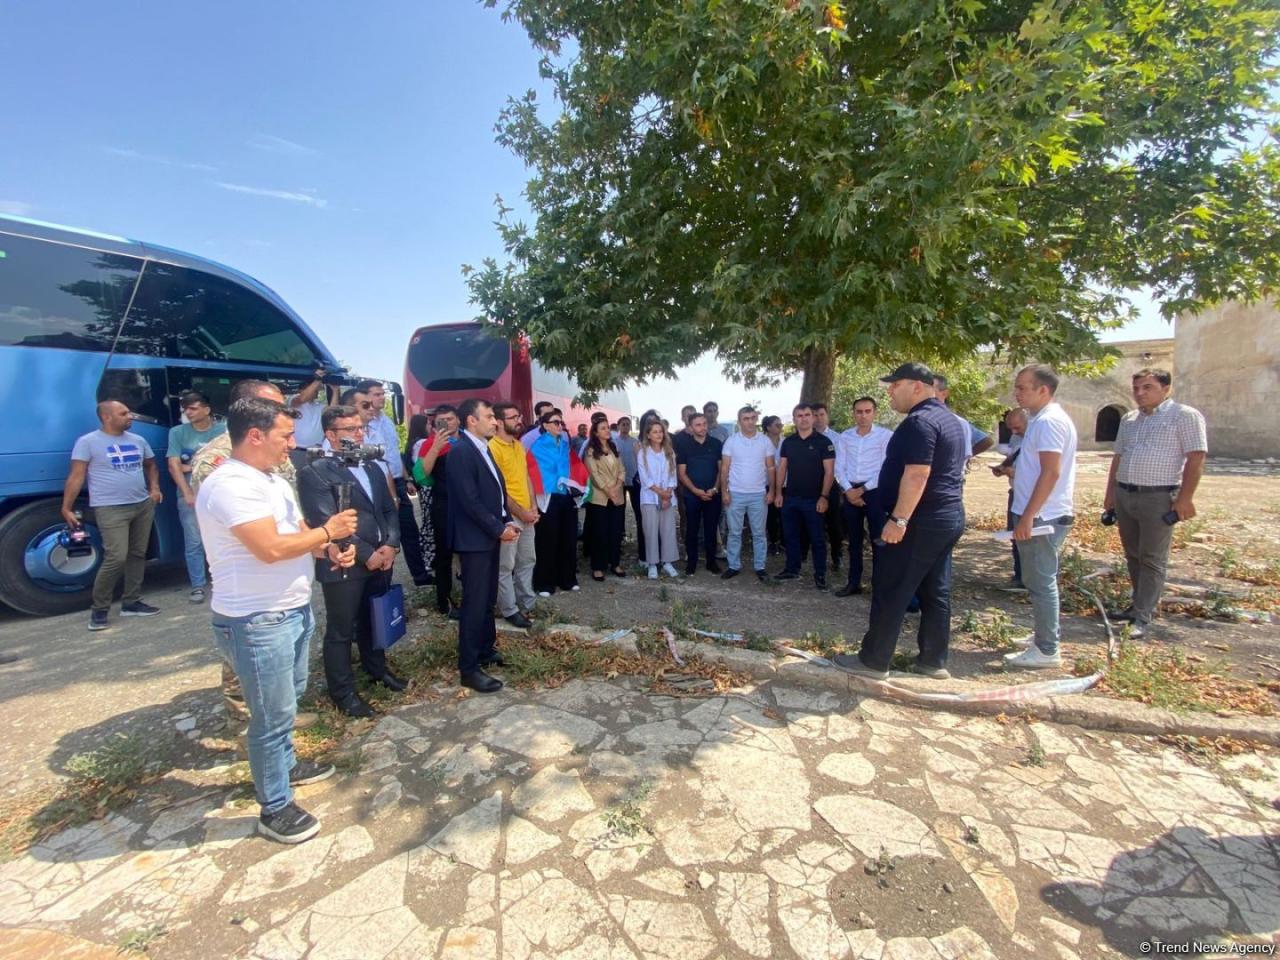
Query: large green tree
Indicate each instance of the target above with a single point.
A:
(790, 181)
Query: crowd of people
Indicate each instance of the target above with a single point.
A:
(500, 502)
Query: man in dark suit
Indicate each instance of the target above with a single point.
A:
(477, 523)
(377, 539)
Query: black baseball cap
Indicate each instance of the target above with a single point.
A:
(910, 371)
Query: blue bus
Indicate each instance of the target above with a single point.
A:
(87, 317)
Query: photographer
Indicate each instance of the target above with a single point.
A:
(347, 592)
(261, 554)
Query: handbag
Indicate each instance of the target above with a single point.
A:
(386, 613)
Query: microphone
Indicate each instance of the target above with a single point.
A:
(342, 493)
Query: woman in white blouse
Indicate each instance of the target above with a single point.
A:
(656, 468)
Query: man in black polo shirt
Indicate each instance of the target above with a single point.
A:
(698, 470)
(921, 485)
(806, 466)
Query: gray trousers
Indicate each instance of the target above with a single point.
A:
(515, 572)
(659, 534)
(1146, 538)
(126, 531)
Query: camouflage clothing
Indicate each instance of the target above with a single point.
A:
(216, 452)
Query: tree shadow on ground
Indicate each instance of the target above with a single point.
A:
(1185, 885)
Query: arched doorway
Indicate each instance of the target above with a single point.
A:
(1107, 424)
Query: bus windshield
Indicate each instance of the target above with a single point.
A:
(458, 358)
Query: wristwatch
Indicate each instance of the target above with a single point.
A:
(900, 521)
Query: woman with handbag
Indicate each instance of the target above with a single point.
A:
(606, 513)
(656, 466)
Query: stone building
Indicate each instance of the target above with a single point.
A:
(1225, 363)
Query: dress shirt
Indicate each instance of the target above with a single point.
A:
(1153, 447)
(381, 430)
(362, 478)
(859, 458)
(483, 446)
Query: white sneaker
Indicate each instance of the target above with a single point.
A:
(544, 593)
(669, 570)
(1032, 659)
(653, 572)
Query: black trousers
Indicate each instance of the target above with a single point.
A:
(921, 566)
(410, 543)
(857, 519)
(833, 521)
(444, 556)
(555, 539)
(633, 494)
(800, 522)
(773, 526)
(700, 516)
(347, 621)
(605, 523)
(477, 634)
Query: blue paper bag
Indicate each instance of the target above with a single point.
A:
(386, 610)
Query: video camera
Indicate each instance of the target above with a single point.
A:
(349, 452)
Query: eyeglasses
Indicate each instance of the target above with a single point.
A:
(348, 429)
(366, 405)
(511, 417)
(192, 406)
(558, 423)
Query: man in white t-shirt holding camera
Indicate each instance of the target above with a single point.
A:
(261, 555)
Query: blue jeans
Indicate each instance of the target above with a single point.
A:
(268, 652)
(1039, 557)
(752, 508)
(918, 566)
(192, 545)
(800, 515)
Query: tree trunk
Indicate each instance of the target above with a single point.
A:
(819, 375)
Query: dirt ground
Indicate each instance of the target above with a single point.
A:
(1235, 539)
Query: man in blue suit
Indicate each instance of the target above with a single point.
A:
(347, 592)
(477, 523)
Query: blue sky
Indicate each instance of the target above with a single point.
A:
(342, 154)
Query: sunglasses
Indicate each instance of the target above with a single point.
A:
(558, 423)
(366, 405)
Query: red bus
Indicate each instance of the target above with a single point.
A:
(453, 361)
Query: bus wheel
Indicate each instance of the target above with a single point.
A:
(38, 575)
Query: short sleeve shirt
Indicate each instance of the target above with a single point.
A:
(701, 460)
(235, 494)
(805, 456)
(934, 436)
(748, 472)
(512, 459)
(1049, 431)
(115, 470)
(1153, 447)
(307, 429)
(185, 440)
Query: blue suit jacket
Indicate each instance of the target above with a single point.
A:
(477, 502)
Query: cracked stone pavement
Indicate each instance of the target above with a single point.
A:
(596, 822)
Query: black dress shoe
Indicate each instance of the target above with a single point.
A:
(820, 583)
(518, 619)
(392, 682)
(713, 567)
(481, 682)
(851, 590)
(729, 574)
(354, 706)
(761, 576)
(495, 660)
(690, 570)
(786, 575)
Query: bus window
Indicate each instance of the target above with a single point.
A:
(55, 295)
(458, 358)
(143, 391)
(192, 315)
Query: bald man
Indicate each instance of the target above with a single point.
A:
(124, 488)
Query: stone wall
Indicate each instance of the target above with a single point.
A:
(1228, 367)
